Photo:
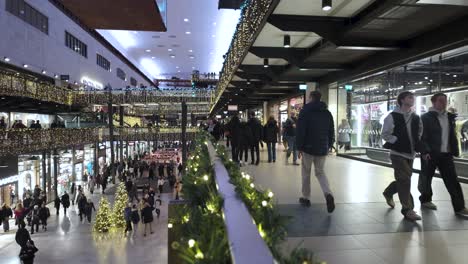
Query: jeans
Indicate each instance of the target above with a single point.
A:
(291, 148)
(244, 150)
(403, 169)
(444, 162)
(255, 148)
(319, 164)
(271, 151)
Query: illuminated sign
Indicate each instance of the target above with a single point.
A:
(9, 180)
(92, 83)
(232, 107)
(348, 87)
(302, 86)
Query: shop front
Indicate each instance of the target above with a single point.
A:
(363, 104)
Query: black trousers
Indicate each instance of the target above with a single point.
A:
(128, 226)
(255, 148)
(443, 162)
(244, 149)
(235, 152)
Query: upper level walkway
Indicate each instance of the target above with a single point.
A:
(363, 229)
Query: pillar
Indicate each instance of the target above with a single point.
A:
(56, 168)
(184, 133)
(44, 172)
(121, 123)
(111, 138)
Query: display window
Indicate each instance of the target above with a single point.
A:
(363, 104)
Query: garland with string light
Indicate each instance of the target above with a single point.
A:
(198, 226)
(271, 225)
(253, 14)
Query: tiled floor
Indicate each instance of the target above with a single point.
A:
(363, 229)
(69, 241)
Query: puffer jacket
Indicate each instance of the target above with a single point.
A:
(315, 133)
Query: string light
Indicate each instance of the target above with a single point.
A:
(191, 243)
(205, 177)
(252, 185)
(170, 225)
(270, 194)
(264, 203)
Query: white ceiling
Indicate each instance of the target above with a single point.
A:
(340, 8)
(211, 31)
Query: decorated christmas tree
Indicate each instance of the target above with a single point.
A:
(121, 200)
(103, 217)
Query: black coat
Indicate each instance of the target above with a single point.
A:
(270, 132)
(135, 217)
(256, 128)
(234, 130)
(147, 214)
(66, 200)
(315, 133)
(432, 134)
(246, 136)
(289, 128)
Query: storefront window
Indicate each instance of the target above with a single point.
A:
(365, 102)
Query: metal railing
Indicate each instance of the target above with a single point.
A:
(18, 85)
(21, 141)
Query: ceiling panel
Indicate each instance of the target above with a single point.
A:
(251, 59)
(340, 8)
(271, 36)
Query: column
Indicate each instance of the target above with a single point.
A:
(265, 112)
(111, 138)
(96, 159)
(44, 172)
(184, 133)
(56, 168)
(121, 123)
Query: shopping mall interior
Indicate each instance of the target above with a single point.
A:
(158, 131)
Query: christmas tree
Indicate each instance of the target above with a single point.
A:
(121, 200)
(103, 217)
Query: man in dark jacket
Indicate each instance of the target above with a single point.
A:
(440, 145)
(270, 136)
(245, 141)
(289, 135)
(256, 129)
(315, 136)
(234, 131)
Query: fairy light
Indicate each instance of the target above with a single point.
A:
(270, 194)
(252, 185)
(205, 177)
(191, 243)
(170, 225)
(264, 203)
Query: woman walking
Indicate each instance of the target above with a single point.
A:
(65, 202)
(147, 215)
(57, 204)
(5, 214)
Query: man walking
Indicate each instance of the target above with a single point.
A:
(257, 131)
(402, 130)
(314, 139)
(290, 137)
(440, 145)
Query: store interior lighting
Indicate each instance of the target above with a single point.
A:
(287, 41)
(265, 63)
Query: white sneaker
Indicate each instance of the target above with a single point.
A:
(429, 205)
(412, 216)
(463, 212)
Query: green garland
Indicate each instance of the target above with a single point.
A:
(271, 225)
(198, 226)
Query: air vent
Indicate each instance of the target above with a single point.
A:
(156, 37)
(172, 36)
(161, 46)
(175, 45)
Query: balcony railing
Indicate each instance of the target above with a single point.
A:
(19, 86)
(21, 141)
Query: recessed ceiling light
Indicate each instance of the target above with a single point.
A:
(303, 69)
(153, 57)
(56, 76)
(6, 59)
(177, 67)
(188, 32)
(186, 20)
(455, 76)
(193, 68)
(426, 77)
(242, 89)
(148, 50)
(214, 23)
(44, 71)
(25, 65)
(192, 57)
(190, 50)
(169, 49)
(213, 36)
(178, 71)
(172, 56)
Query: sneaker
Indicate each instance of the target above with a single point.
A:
(389, 200)
(429, 205)
(412, 216)
(330, 203)
(463, 212)
(304, 201)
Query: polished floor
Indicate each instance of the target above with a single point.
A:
(363, 229)
(69, 241)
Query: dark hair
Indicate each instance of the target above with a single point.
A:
(437, 95)
(402, 96)
(315, 96)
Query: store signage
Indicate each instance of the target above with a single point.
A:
(91, 83)
(9, 180)
(232, 107)
(64, 77)
(348, 87)
(302, 86)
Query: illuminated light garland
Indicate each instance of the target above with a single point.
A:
(253, 14)
(191, 243)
